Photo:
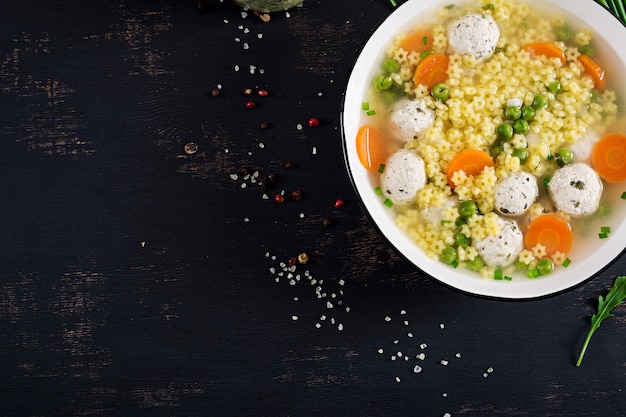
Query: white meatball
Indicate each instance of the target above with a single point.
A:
(409, 118)
(515, 193)
(501, 250)
(403, 177)
(435, 214)
(576, 189)
(474, 34)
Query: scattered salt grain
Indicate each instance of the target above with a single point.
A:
(387, 318)
(421, 356)
(260, 35)
(237, 40)
(409, 334)
(417, 369)
(406, 322)
(402, 312)
(447, 415)
(441, 326)
(340, 327)
(236, 67)
(381, 351)
(246, 46)
(287, 15)
(423, 346)
(317, 325)
(443, 362)
(299, 126)
(458, 355)
(244, 15)
(314, 150)
(294, 318)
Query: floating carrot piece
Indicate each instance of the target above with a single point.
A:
(550, 231)
(419, 41)
(470, 161)
(547, 49)
(609, 157)
(431, 70)
(594, 70)
(371, 147)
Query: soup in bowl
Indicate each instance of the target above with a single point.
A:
(487, 143)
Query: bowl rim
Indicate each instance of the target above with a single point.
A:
(464, 281)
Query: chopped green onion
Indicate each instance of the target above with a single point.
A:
(603, 235)
(546, 181)
(508, 278)
(425, 40)
(605, 229)
(624, 195)
(424, 54)
(393, 3)
(566, 262)
(444, 222)
(455, 263)
(371, 113)
(388, 203)
(497, 275)
(365, 105)
(381, 168)
(378, 191)
(549, 157)
(489, 7)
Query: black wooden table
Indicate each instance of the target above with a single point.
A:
(146, 268)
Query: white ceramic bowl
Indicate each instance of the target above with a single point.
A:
(609, 34)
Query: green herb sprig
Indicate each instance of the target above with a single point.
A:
(615, 297)
(616, 7)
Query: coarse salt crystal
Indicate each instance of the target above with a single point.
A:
(441, 326)
(294, 318)
(409, 334)
(406, 322)
(423, 346)
(458, 355)
(236, 67)
(444, 362)
(381, 351)
(246, 46)
(260, 35)
(314, 150)
(317, 325)
(402, 312)
(340, 327)
(299, 126)
(417, 369)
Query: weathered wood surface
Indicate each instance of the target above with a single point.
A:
(137, 279)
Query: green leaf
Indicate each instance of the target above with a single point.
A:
(615, 297)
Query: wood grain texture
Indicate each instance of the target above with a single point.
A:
(137, 279)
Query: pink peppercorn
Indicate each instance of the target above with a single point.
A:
(339, 203)
(263, 93)
(279, 198)
(250, 104)
(314, 122)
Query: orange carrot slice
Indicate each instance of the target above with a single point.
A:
(470, 161)
(550, 231)
(371, 147)
(594, 70)
(609, 157)
(431, 70)
(419, 41)
(547, 49)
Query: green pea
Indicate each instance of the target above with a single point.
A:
(383, 83)
(461, 240)
(448, 255)
(521, 127)
(564, 156)
(554, 87)
(528, 113)
(545, 266)
(505, 131)
(391, 65)
(440, 91)
(496, 148)
(467, 208)
(587, 50)
(540, 101)
(513, 112)
(522, 154)
(392, 94)
(475, 264)
(564, 33)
